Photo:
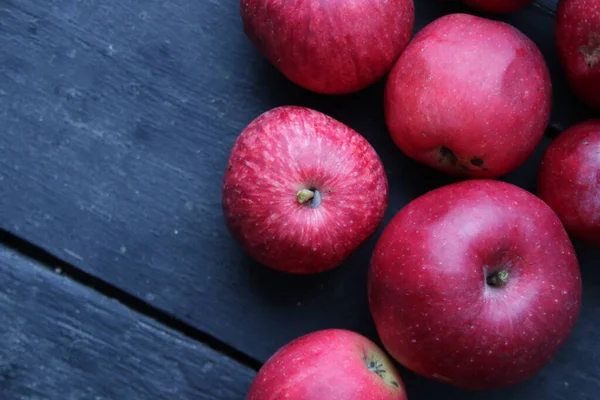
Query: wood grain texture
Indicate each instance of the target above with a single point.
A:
(549, 5)
(60, 340)
(118, 119)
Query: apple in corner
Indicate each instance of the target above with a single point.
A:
(329, 47)
(569, 179)
(332, 364)
(302, 191)
(475, 284)
(498, 6)
(469, 96)
(577, 39)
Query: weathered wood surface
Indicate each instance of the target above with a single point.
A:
(118, 118)
(61, 340)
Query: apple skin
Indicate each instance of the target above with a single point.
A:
(288, 150)
(329, 47)
(469, 96)
(577, 39)
(498, 6)
(435, 285)
(328, 364)
(569, 179)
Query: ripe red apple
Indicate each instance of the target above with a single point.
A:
(475, 284)
(329, 47)
(569, 179)
(578, 45)
(498, 6)
(302, 191)
(332, 364)
(469, 96)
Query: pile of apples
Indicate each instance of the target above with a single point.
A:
(475, 283)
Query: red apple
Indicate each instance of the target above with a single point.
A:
(475, 284)
(569, 179)
(331, 364)
(578, 45)
(330, 47)
(498, 6)
(469, 96)
(302, 191)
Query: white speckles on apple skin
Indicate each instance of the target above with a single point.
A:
(427, 284)
(569, 179)
(332, 47)
(477, 87)
(330, 364)
(577, 23)
(292, 148)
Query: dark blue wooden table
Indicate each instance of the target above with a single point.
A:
(118, 279)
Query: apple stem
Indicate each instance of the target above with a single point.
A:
(305, 195)
(498, 279)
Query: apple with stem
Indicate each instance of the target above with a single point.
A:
(577, 39)
(331, 364)
(469, 96)
(569, 179)
(302, 191)
(475, 284)
(329, 47)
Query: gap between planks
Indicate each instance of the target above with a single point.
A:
(548, 6)
(55, 264)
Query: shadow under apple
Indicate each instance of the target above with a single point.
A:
(332, 299)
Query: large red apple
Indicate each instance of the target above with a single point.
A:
(330, 47)
(302, 191)
(569, 179)
(332, 364)
(498, 6)
(475, 284)
(578, 45)
(469, 96)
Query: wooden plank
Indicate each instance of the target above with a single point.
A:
(549, 5)
(61, 340)
(118, 118)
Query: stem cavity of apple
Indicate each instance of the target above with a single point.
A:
(591, 50)
(375, 365)
(312, 197)
(498, 279)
